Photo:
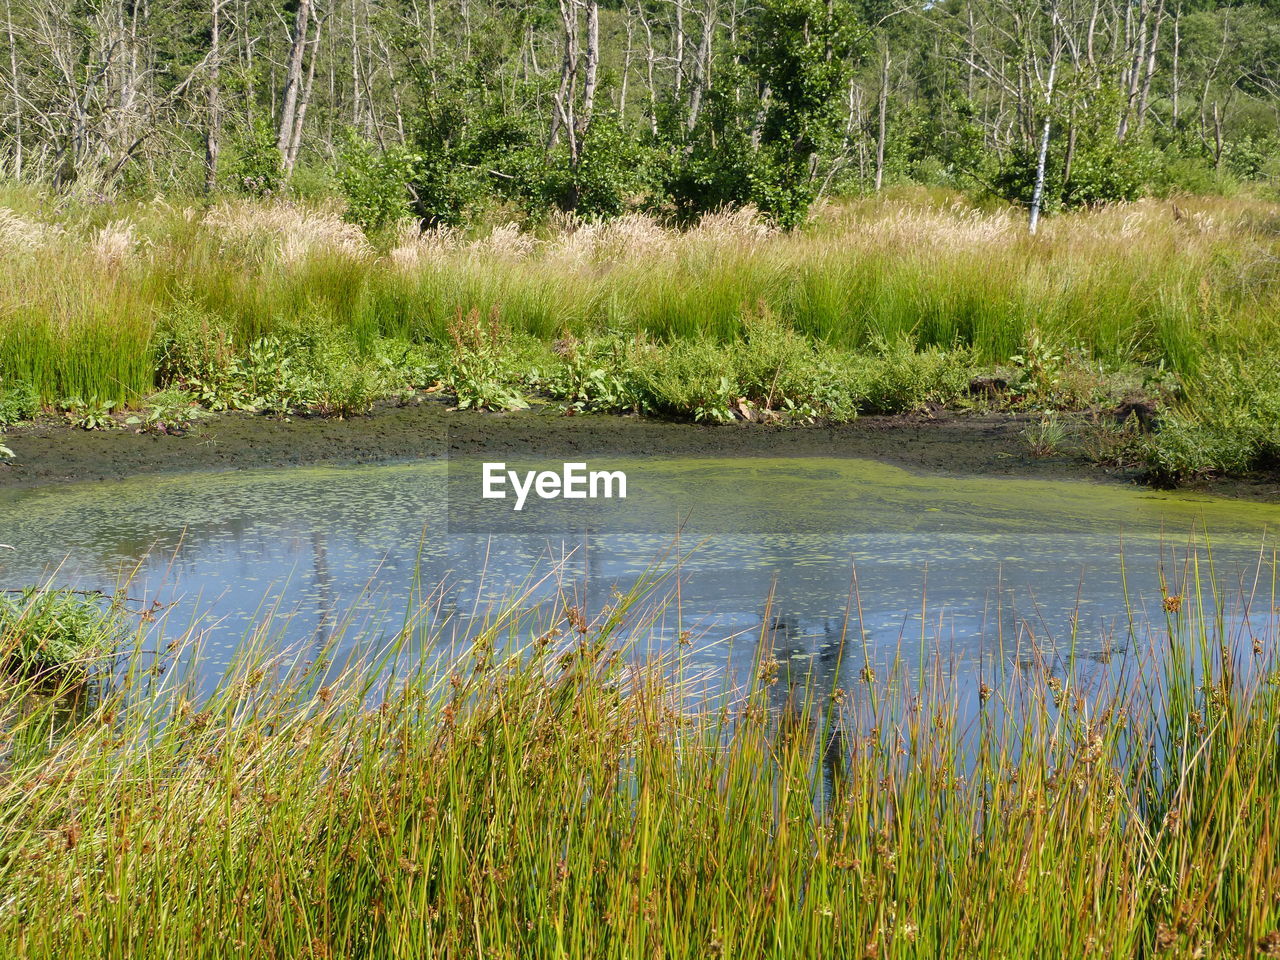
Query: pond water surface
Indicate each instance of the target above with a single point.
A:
(980, 568)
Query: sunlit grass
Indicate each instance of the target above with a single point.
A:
(1151, 282)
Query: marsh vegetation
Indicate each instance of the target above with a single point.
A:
(549, 789)
(147, 315)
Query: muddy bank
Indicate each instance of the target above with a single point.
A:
(960, 444)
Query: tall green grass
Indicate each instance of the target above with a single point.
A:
(546, 791)
(87, 288)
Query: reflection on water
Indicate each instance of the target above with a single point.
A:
(965, 569)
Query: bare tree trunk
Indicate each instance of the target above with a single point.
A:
(213, 130)
(17, 96)
(562, 115)
(304, 99)
(678, 52)
(626, 65)
(591, 67)
(702, 65)
(651, 57)
(1145, 97)
(1134, 71)
(293, 79)
(1037, 195)
(883, 129)
(355, 72)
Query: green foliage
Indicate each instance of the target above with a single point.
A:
(303, 367)
(772, 374)
(18, 401)
(762, 150)
(1229, 423)
(611, 169)
(45, 630)
(800, 51)
(255, 167)
(168, 411)
(92, 414)
(687, 379)
(591, 376)
(375, 183)
(898, 377)
(1103, 168)
(348, 390)
(483, 370)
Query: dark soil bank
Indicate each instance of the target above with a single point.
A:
(950, 443)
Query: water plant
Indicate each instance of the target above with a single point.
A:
(56, 631)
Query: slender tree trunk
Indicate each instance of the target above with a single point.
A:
(17, 96)
(355, 72)
(1145, 96)
(562, 115)
(1134, 70)
(591, 67)
(293, 80)
(213, 131)
(883, 127)
(702, 66)
(1037, 195)
(678, 52)
(651, 57)
(626, 66)
(304, 99)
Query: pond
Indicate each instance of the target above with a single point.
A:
(978, 571)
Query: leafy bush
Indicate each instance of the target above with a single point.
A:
(594, 376)
(306, 365)
(92, 414)
(348, 390)
(1103, 169)
(483, 371)
(256, 168)
(43, 630)
(193, 352)
(18, 401)
(1229, 423)
(611, 167)
(171, 410)
(686, 378)
(375, 183)
(896, 377)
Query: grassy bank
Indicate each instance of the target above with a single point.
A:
(880, 305)
(546, 792)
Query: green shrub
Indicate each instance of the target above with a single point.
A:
(1228, 423)
(897, 377)
(255, 167)
(44, 630)
(483, 371)
(18, 401)
(348, 390)
(375, 183)
(687, 378)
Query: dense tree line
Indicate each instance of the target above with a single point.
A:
(449, 107)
